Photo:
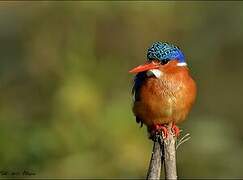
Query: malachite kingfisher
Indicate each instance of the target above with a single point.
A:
(163, 89)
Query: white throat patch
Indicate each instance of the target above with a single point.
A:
(157, 73)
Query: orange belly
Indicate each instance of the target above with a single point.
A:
(166, 99)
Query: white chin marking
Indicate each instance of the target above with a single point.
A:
(157, 73)
(182, 64)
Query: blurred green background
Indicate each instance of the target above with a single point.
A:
(66, 92)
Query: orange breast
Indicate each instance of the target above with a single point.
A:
(168, 98)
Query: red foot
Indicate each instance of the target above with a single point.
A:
(161, 128)
(175, 130)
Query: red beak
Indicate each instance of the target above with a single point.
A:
(144, 67)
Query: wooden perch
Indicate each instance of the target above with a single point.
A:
(163, 151)
(156, 161)
(170, 155)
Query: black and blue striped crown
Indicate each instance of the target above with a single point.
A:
(165, 51)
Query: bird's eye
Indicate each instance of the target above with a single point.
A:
(164, 61)
(155, 61)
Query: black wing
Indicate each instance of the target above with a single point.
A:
(138, 82)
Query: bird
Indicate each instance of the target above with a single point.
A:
(163, 90)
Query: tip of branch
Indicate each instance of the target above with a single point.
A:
(185, 138)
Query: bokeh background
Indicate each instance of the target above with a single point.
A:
(65, 103)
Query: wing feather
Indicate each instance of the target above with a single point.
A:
(138, 82)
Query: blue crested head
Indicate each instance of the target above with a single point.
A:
(164, 52)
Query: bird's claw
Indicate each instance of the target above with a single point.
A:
(159, 129)
(175, 130)
(162, 129)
